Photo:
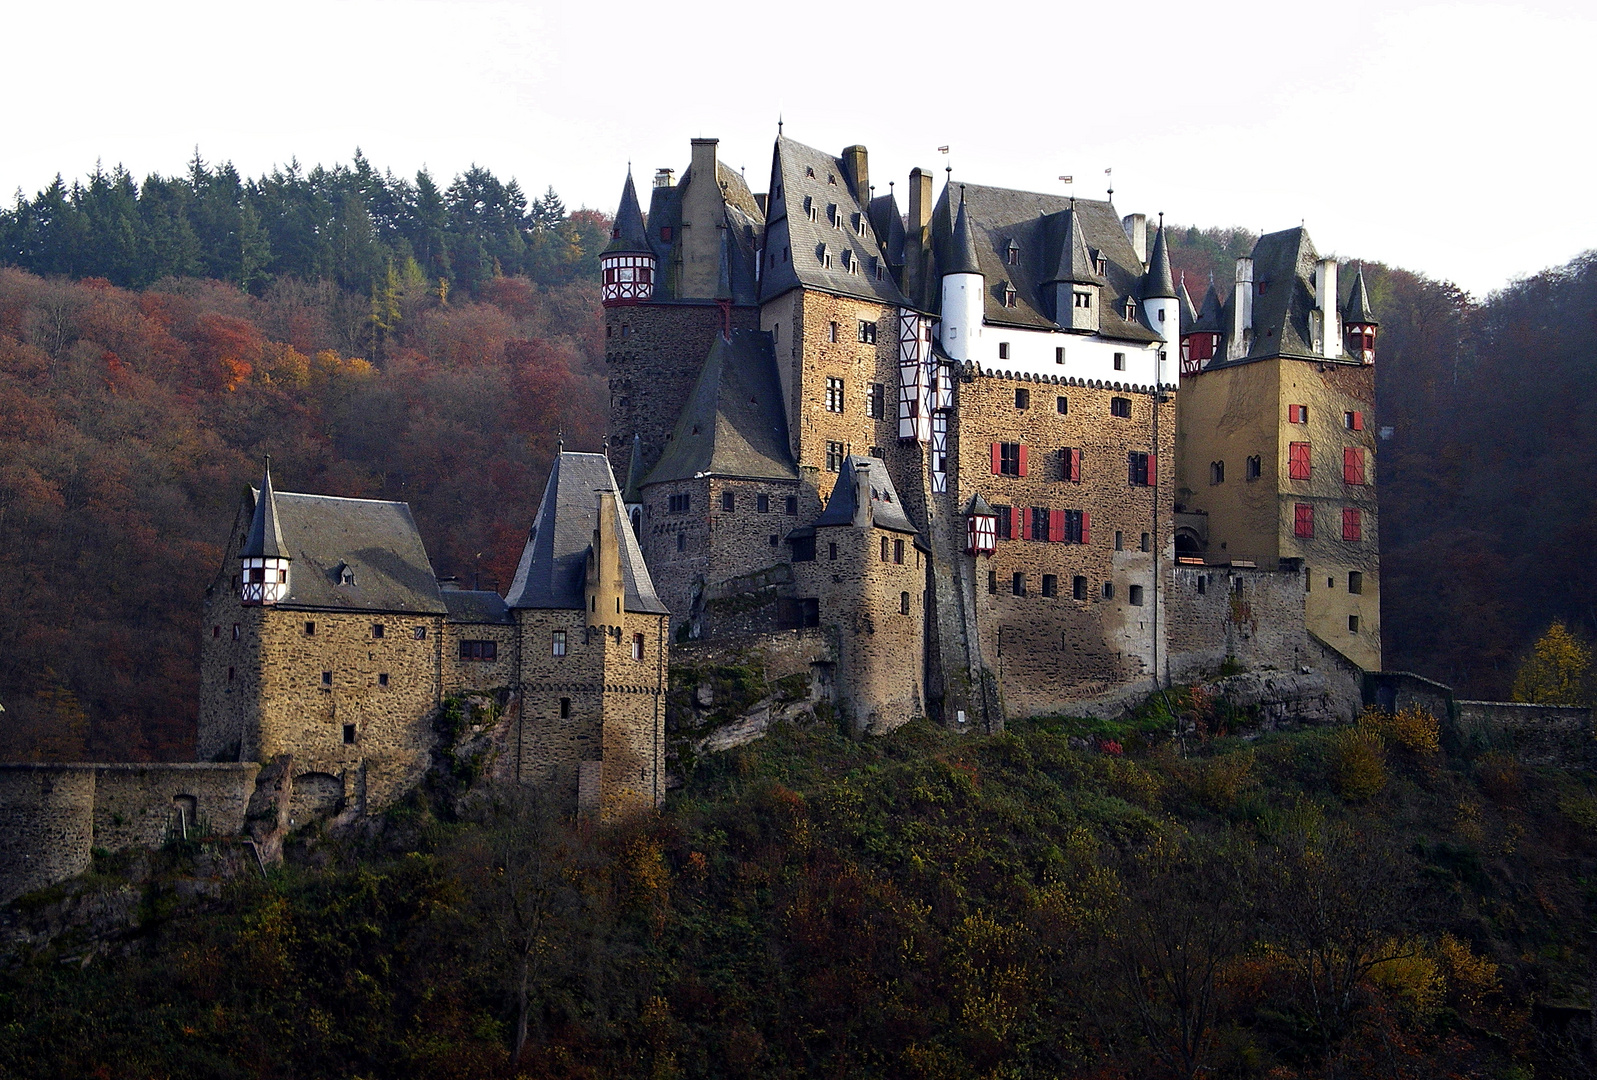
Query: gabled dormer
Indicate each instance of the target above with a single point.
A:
(1076, 284)
(264, 559)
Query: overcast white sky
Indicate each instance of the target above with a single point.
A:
(1398, 131)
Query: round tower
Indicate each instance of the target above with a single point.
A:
(964, 292)
(264, 559)
(1358, 321)
(627, 264)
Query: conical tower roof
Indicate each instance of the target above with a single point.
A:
(1358, 308)
(1075, 261)
(628, 234)
(1159, 284)
(962, 246)
(1211, 318)
(265, 540)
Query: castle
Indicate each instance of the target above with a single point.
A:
(977, 459)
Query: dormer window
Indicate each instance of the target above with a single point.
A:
(876, 267)
(1012, 254)
(825, 257)
(1009, 295)
(809, 172)
(859, 225)
(830, 179)
(1100, 265)
(1131, 309)
(809, 207)
(848, 259)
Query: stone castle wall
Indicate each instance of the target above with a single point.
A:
(467, 674)
(54, 816)
(1254, 617)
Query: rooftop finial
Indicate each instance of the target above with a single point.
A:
(560, 441)
(1110, 173)
(778, 124)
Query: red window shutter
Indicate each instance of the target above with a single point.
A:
(1023, 520)
(1303, 521)
(1153, 470)
(998, 458)
(1352, 465)
(1086, 527)
(1358, 421)
(1022, 459)
(1056, 526)
(1075, 465)
(1352, 524)
(1298, 460)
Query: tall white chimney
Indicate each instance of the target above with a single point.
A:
(1241, 311)
(1330, 322)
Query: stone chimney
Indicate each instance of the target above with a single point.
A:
(665, 178)
(1136, 226)
(703, 215)
(1241, 311)
(920, 201)
(1329, 326)
(864, 516)
(606, 589)
(856, 167)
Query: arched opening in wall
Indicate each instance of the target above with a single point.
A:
(316, 795)
(185, 817)
(1187, 543)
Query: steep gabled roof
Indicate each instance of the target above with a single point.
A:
(374, 542)
(843, 506)
(1211, 316)
(629, 233)
(1283, 274)
(1357, 309)
(265, 540)
(1038, 226)
(888, 224)
(734, 423)
(796, 243)
(1189, 314)
(1074, 264)
(1158, 284)
(554, 563)
(744, 223)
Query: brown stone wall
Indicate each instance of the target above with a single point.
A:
(632, 779)
(1254, 617)
(136, 805)
(47, 825)
(1051, 650)
(654, 353)
(230, 660)
(678, 573)
(464, 675)
(305, 716)
(881, 659)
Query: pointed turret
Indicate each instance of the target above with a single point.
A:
(1076, 283)
(1159, 284)
(627, 264)
(964, 290)
(1358, 320)
(1189, 314)
(1211, 316)
(1200, 338)
(632, 494)
(962, 247)
(264, 557)
(628, 233)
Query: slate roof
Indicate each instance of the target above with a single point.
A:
(265, 540)
(377, 541)
(886, 510)
(1357, 309)
(788, 228)
(1039, 224)
(1158, 284)
(631, 495)
(1074, 264)
(744, 222)
(1283, 272)
(889, 226)
(734, 423)
(1189, 314)
(477, 607)
(629, 233)
(961, 247)
(553, 568)
(1211, 316)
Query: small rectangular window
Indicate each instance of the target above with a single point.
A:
(1303, 521)
(382, 678)
(790, 505)
(834, 395)
(327, 678)
(867, 332)
(1120, 540)
(762, 504)
(831, 328)
(903, 603)
(349, 734)
(565, 708)
(1355, 582)
(1050, 584)
(1147, 545)
(310, 629)
(1216, 472)
(1059, 355)
(216, 631)
(877, 402)
(1120, 406)
(637, 646)
(884, 549)
(992, 583)
(230, 674)
(377, 630)
(1003, 350)
(1078, 588)
(419, 633)
(1017, 584)
(898, 552)
(1255, 467)
(1120, 361)
(728, 501)
(236, 631)
(1203, 584)
(557, 646)
(678, 504)
(1062, 405)
(1297, 414)
(1108, 590)
(1353, 421)
(834, 457)
(1134, 595)
(1022, 398)
(1353, 624)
